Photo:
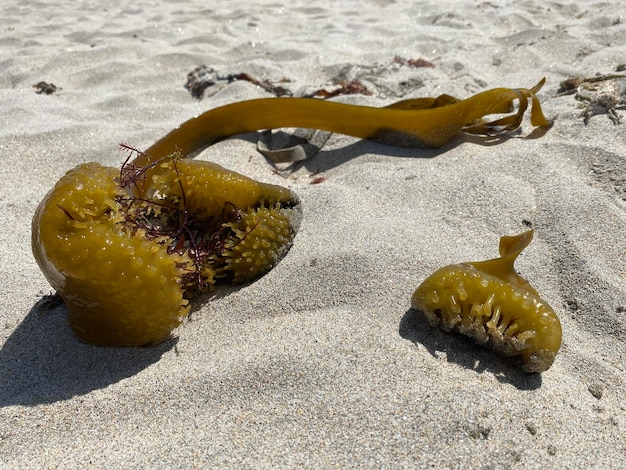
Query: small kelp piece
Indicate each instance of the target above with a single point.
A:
(127, 250)
(423, 122)
(489, 302)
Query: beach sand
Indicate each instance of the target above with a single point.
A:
(321, 362)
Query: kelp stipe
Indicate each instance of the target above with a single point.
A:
(422, 122)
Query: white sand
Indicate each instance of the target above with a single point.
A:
(321, 363)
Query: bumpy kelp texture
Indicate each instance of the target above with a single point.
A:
(127, 250)
(126, 259)
(489, 302)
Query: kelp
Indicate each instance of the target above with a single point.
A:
(421, 122)
(126, 250)
(491, 303)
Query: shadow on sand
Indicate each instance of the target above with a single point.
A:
(464, 352)
(43, 362)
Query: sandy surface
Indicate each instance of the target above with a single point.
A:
(322, 363)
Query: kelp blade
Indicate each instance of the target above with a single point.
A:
(423, 122)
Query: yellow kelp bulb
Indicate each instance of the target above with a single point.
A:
(125, 250)
(489, 302)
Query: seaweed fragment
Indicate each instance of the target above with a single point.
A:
(492, 304)
(199, 79)
(270, 87)
(345, 87)
(203, 77)
(45, 88)
(415, 63)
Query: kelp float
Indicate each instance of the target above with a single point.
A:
(126, 250)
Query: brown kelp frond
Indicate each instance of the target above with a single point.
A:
(491, 303)
(512, 122)
(127, 249)
(423, 122)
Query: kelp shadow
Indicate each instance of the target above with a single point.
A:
(43, 362)
(323, 159)
(464, 352)
(328, 159)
